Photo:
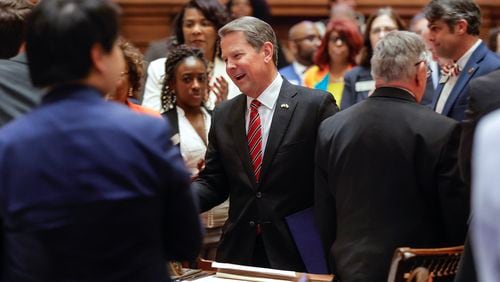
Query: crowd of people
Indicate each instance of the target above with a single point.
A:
(108, 157)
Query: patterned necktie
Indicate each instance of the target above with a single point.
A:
(254, 137)
(450, 70)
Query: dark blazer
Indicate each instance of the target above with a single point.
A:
(286, 184)
(17, 94)
(351, 96)
(91, 191)
(481, 62)
(387, 177)
(484, 97)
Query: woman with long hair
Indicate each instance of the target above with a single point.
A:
(196, 25)
(359, 82)
(335, 56)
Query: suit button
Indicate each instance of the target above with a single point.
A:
(258, 195)
(251, 223)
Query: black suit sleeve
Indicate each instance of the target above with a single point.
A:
(468, 127)
(211, 187)
(328, 107)
(324, 201)
(453, 195)
(183, 233)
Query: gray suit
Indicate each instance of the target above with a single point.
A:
(17, 94)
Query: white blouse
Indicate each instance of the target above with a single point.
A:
(154, 82)
(192, 147)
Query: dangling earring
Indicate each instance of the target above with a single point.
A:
(168, 99)
(131, 92)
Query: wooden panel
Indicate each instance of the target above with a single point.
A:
(147, 20)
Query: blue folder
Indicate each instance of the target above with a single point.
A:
(308, 241)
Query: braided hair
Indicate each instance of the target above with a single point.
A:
(174, 59)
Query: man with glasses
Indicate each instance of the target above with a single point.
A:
(304, 40)
(386, 169)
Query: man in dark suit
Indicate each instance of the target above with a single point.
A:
(484, 98)
(90, 190)
(386, 170)
(454, 35)
(260, 151)
(17, 94)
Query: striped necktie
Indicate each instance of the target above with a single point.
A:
(254, 137)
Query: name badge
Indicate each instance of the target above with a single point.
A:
(362, 86)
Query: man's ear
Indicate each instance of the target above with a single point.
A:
(461, 27)
(268, 49)
(96, 55)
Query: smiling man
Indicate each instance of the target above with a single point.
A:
(454, 35)
(260, 151)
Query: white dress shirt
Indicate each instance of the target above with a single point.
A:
(300, 70)
(156, 71)
(192, 146)
(452, 80)
(268, 100)
(486, 198)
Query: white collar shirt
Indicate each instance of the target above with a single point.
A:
(452, 80)
(300, 70)
(268, 100)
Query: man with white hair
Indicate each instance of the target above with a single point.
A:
(386, 169)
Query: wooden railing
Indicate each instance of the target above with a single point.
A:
(147, 20)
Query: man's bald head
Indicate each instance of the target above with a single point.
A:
(304, 39)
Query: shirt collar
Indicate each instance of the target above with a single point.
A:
(466, 56)
(269, 97)
(299, 68)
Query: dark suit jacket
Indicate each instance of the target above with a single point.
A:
(286, 184)
(17, 94)
(387, 177)
(481, 62)
(91, 191)
(484, 97)
(363, 74)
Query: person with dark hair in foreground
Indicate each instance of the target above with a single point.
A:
(17, 94)
(90, 190)
(386, 170)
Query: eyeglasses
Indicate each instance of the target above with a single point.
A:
(338, 41)
(385, 29)
(429, 70)
(310, 38)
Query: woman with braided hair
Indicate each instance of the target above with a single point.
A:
(184, 85)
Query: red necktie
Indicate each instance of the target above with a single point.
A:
(254, 137)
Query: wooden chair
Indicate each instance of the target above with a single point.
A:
(441, 263)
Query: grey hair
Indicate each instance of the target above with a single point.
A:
(257, 32)
(395, 56)
(450, 11)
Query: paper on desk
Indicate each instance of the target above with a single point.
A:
(284, 273)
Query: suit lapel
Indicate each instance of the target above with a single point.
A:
(283, 112)
(239, 136)
(465, 75)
